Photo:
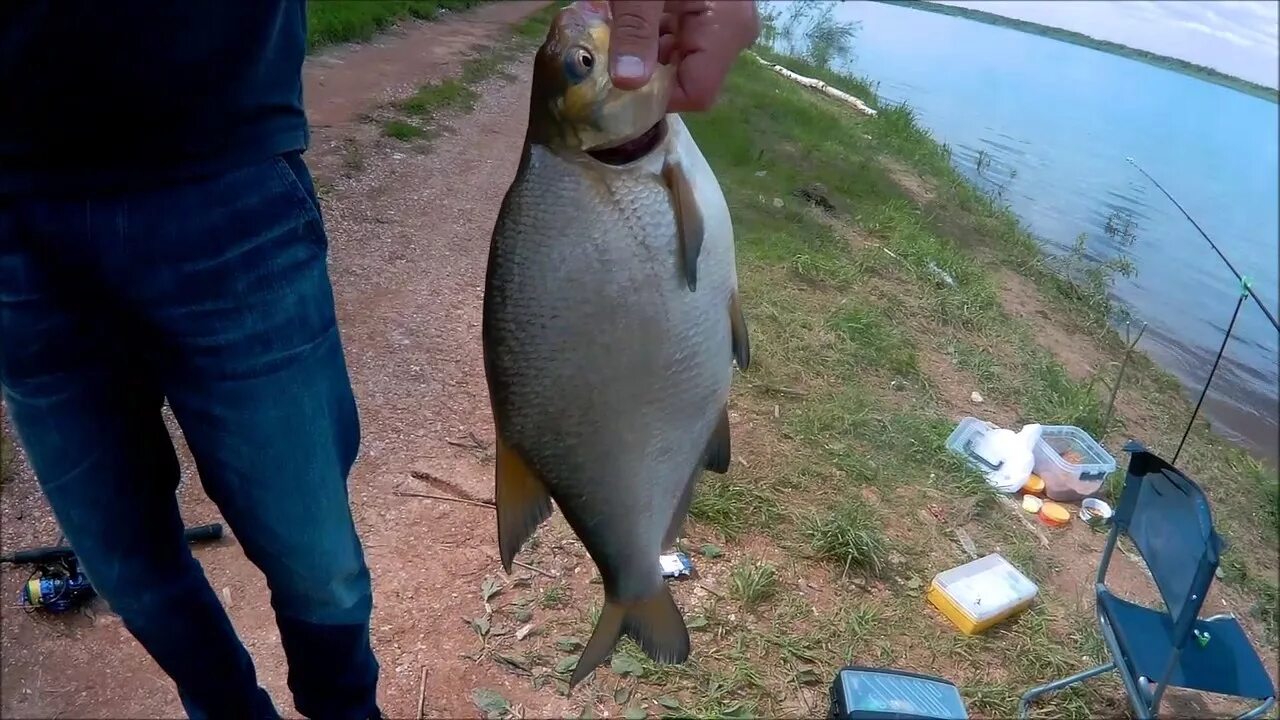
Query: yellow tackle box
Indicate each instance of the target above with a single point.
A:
(981, 593)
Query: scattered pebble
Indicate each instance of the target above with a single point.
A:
(975, 396)
(777, 202)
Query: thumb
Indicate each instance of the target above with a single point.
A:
(633, 43)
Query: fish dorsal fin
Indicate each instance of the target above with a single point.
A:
(689, 222)
(522, 500)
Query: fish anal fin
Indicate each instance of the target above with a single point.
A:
(741, 340)
(689, 222)
(522, 500)
(682, 510)
(718, 446)
(655, 623)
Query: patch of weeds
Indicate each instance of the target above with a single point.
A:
(1086, 279)
(991, 699)
(873, 340)
(752, 583)
(858, 624)
(961, 294)
(553, 596)
(990, 371)
(353, 158)
(732, 507)
(402, 130)
(849, 536)
(436, 97)
(1053, 398)
(830, 419)
(335, 21)
(720, 695)
(1262, 487)
(1090, 643)
(1266, 595)
(8, 455)
(1023, 552)
(819, 269)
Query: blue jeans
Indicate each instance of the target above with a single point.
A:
(213, 294)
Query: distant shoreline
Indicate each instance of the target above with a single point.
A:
(1070, 36)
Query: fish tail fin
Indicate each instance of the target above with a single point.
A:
(654, 623)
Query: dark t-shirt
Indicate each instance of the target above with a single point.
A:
(102, 95)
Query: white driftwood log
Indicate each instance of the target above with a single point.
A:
(818, 85)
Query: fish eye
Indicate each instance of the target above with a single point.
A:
(579, 63)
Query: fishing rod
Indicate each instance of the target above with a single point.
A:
(1209, 240)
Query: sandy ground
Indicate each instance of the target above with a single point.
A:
(409, 235)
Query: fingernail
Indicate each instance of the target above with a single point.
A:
(628, 66)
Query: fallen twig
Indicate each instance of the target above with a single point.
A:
(540, 571)
(711, 590)
(790, 392)
(446, 498)
(818, 85)
(422, 694)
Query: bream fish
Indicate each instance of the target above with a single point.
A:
(611, 327)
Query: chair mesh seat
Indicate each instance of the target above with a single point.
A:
(1226, 665)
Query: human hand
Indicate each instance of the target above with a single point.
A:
(702, 38)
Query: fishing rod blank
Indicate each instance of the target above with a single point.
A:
(1209, 240)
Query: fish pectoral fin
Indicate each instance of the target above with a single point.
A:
(654, 623)
(522, 500)
(689, 222)
(718, 446)
(738, 324)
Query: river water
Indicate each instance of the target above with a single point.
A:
(1053, 124)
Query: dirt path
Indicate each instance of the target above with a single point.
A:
(409, 233)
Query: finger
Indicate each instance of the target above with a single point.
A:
(633, 44)
(699, 79)
(667, 47)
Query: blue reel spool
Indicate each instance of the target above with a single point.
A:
(56, 591)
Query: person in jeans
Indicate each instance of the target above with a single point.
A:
(161, 239)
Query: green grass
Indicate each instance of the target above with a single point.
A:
(337, 21)
(402, 130)
(421, 116)
(850, 536)
(732, 507)
(752, 583)
(8, 454)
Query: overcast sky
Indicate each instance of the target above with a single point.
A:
(1237, 37)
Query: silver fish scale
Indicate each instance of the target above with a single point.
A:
(608, 374)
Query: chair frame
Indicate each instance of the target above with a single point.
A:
(1144, 701)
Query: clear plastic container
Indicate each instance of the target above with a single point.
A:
(967, 438)
(981, 593)
(1072, 464)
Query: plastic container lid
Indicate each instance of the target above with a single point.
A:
(967, 438)
(1053, 514)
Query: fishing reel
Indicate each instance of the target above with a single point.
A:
(56, 587)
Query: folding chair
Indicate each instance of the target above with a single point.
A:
(1167, 517)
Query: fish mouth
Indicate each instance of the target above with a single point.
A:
(632, 150)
